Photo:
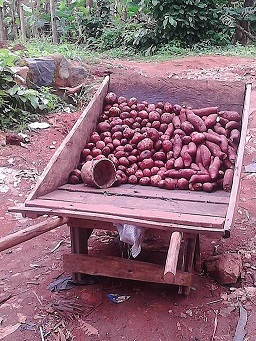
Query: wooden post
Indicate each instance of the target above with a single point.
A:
(2, 30)
(79, 244)
(172, 257)
(22, 22)
(53, 22)
(30, 232)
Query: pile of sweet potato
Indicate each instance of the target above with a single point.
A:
(165, 145)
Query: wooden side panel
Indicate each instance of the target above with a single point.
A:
(234, 195)
(67, 155)
(82, 218)
(121, 268)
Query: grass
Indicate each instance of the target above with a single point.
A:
(81, 53)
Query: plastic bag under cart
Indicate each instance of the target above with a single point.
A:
(133, 236)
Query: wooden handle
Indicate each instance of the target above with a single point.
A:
(172, 257)
(30, 232)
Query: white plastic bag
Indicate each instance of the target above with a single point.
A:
(132, 235)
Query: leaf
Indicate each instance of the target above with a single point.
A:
(8, 330)
(34, 102)
(87, 328)
(172, 21)
(27, 9)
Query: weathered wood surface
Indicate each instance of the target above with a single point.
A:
(30, 232)
(109, 219)
(235, 191)
(121, 268)
(149, 192)
(158, 216)
(67, 156)
(133, 203)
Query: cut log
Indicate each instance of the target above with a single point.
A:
(30, 232)
(172, 257)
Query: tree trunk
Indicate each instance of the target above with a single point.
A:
(89, 3)
(53, 22)
(14, 33)
(241, 35)
(2, 29)
(22, 22)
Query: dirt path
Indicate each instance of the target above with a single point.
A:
(153, 312)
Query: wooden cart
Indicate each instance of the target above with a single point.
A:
(185, 215)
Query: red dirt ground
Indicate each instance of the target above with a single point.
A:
(154, 312)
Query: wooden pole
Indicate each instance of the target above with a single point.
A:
(22, 22)
(53, 22)
(172, 257)
(30, 232)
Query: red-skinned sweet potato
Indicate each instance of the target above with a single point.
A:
(196, 121)
(228, 179)
(206, 111)
(205, 155)
(177, 145)
(214, 168)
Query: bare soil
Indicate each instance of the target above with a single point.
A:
(153, 312)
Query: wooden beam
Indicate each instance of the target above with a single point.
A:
(30, 232)
(67, 156)
(217, 232)
(172, 257)
(121, 268)
(235, 191)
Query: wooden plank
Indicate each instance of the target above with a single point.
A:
(30, 232)
(81, 216)
(132, 203)
(120, 268)
(172, 257)
(235, 191)
(153, 192)
(157, 216)
(67, 156)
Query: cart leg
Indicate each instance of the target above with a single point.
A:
(187, 259)
(198, 256)
(79, 244)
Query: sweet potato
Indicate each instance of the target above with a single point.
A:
(176, 122)
(206, 111)
(182, 115)
(167, 145)
(224, 143)
(234, 135)
(144, 181)
(166, 118)
(145, 144)
(208, 186)
(222, 121)
(146, 163)
(132, 179)
(177, 145)
(191, 148)
(205, 155)
(228, 179)
(187, 159)
(103, 126)
(187, 127)
(230, 115)
(159, 156)
(232, 125)
(215, 150)
(179, 132)
(167, 107)
(219, 129)
(212, 137)
(198, 158)
(152, 133)
(197, 138)
(178, 163)
(214, 167)
(198, 186)
(182, 183)
(231, 154)
(169, 164)
(154, 180)
(194, 166)
(186, 139)
(202, 169)
(200, 178)
(182, 173)
(153, 116)
(211, 120)
(196, 121)
(170, 183)
(170, 129)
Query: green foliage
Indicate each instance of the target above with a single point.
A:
(188, 21)
(18, 104)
